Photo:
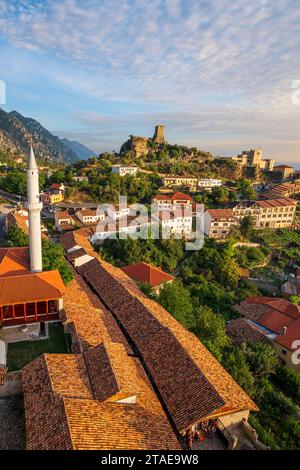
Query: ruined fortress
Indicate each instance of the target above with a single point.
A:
(139, 145)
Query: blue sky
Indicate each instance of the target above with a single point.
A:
(217, 73)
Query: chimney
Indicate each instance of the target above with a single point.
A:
(284, 330)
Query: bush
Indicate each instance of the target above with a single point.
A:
(289, 382)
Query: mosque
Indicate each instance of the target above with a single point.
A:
(27, 293)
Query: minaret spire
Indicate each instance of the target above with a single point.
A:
(34, 213)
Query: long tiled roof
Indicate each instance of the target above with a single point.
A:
(282, 202)
(64, 411)
(89, 322)
(193, 385)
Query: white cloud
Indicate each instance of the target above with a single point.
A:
(224, 66)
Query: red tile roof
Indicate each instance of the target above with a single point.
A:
(32, 287)
(14, 261)
(191, 382)
(274, 314)
(64, 411)
(181, 196)
(218, 214)
(283, 202)
(292, 334)
(143, 272)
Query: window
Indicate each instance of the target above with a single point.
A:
(283, 351)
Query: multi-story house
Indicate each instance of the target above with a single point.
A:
(63, 221)
(275, 213)
(272, 213)
(272, 320)
(219, 222)
(180, 181)
(49, 198)
(123, 170)
(57, 188)
(126, 225)
(177, 223)
(285, 172)
(173, 200)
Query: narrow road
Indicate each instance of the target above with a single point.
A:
(11, 197)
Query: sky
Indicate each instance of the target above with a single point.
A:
(221, 75)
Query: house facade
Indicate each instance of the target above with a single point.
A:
(265, 214)
(173, 200)
(49, 198)
(180, 181)
(207, 184)
(123, 170)
(219, 222)
(272, 320)
(89, 216)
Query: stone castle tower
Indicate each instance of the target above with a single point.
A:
(34, 207)
(159, 134)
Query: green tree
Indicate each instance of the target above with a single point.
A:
(54, 258)
(16, 237)
(177, 300)
(247, 227)
(210, 327)
(262, 359)
(235, 363)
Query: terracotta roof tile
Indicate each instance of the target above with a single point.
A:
(14, 261)
(173, 356)
(144, 272)
(219, 214)
(46, 285)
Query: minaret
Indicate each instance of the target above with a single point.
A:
(34, 214)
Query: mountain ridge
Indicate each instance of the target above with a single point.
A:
(17, 131)
(81, 150)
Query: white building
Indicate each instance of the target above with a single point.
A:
(178, 223)
(123, 170)
(207, 184)
(128, 225)
(172, 201)
(180, 181)
(90, 217)
(118, 211)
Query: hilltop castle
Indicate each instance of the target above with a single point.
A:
(139, 145)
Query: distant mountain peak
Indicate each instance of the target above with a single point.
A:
(16, 131)
(81, 150)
